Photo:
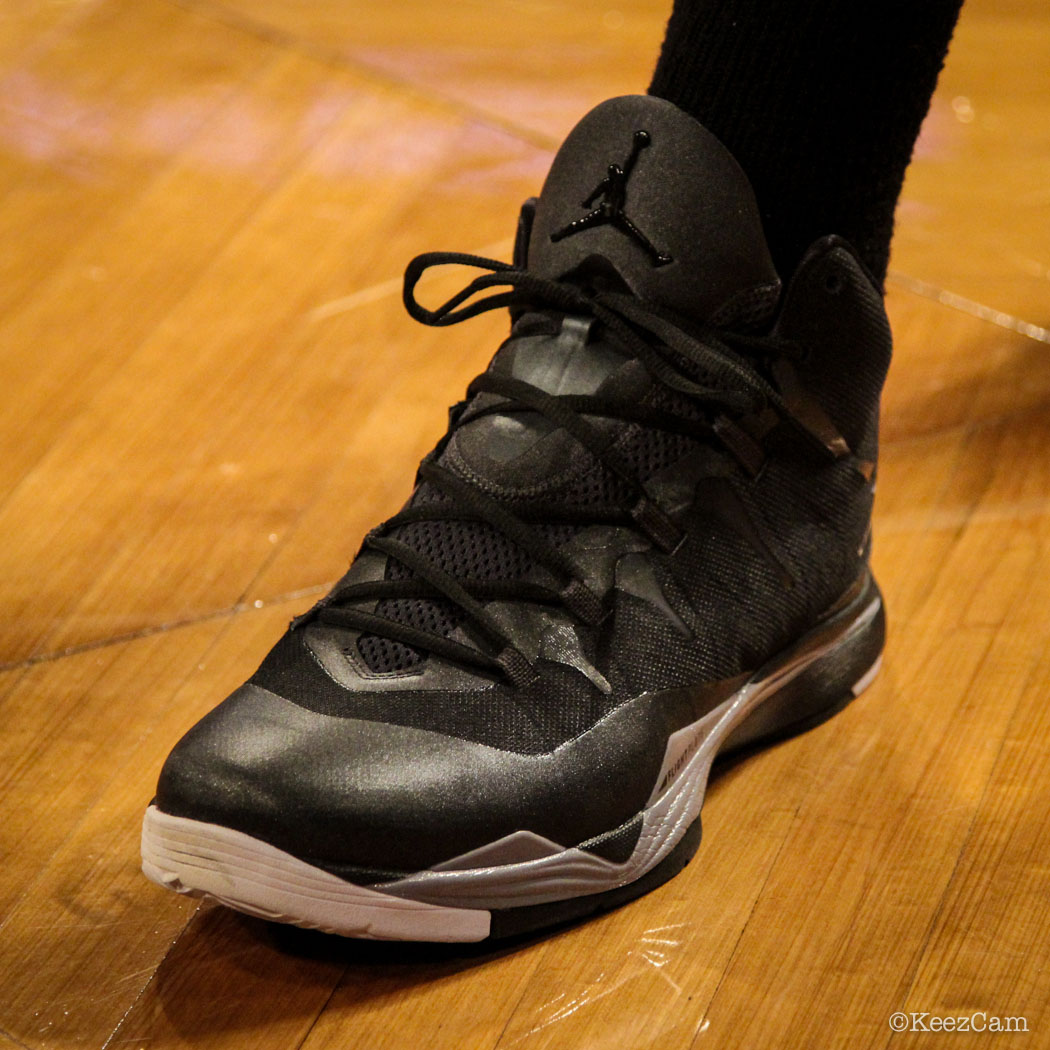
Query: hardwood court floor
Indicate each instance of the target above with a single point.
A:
(210, 392)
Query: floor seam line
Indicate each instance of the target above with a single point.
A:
(18, 1042)
(316, 52)
(960, 303)
(164, 628)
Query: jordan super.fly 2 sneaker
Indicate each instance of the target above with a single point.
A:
(642, 542)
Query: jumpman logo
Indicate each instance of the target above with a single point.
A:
(611, 194)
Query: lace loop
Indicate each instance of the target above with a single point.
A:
(500, 273)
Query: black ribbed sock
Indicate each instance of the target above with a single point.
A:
(819, 100)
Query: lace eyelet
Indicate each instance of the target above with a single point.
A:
(833, 282)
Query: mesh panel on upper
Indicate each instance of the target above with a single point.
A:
(650, 451)
(386, 655)
(476, 550)
(465, 549)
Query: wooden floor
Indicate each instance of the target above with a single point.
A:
(205, 207)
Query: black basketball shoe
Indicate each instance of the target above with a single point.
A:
(642, 542)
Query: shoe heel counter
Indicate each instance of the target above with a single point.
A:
(834, 309)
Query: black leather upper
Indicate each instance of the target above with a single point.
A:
(343, 791)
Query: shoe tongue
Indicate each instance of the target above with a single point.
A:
(640, 195)
(524, 451)
(641, 186)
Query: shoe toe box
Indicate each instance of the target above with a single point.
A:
(390, 798)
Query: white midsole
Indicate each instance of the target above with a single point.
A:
(191, 856)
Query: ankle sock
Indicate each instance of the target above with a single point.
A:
(819, 100)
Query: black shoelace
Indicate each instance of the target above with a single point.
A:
(703, 367)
